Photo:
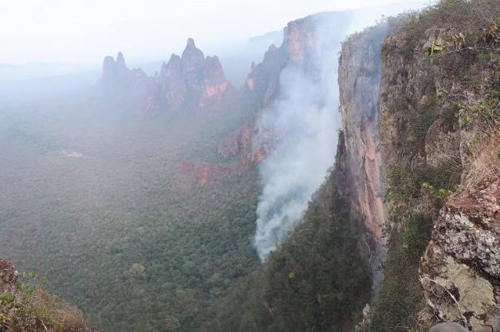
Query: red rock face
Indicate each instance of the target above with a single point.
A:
(204, 174)
(215, 83)
(172, 83)
(300, 45)
(300, 40)
(262, 84)
(146, 91)
(242, 145)
(261, 153)
(192, 81)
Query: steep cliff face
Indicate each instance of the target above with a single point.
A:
(192, 81)
(436, 119)
(263, 82)
(359, 79)
(304, 40)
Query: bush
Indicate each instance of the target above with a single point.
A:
(28, 307)
(400, 298)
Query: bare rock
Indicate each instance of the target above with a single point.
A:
(461, 266)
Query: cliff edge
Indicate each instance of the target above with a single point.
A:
(25, 306)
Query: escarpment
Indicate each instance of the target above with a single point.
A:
(429, 133)
(359, 78)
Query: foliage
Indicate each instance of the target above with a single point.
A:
(460, 84)
(28, 307)
(483, 163)
(440, 193)
(313, 282)
(406, 182)
(477, 23)
(400, 296)
(127, 236)
(484, 111)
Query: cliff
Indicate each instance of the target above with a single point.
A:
(359, 79)
(438, 106)
(304, 42)
(24, 306)
(185, 84)
(424, 133)
(192, 81)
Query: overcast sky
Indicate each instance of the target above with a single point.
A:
(86, 30)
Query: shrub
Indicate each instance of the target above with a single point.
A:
(483, 161)
(28, 307)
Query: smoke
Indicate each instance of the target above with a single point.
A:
(306, 114)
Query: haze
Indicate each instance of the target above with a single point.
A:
(84, 31)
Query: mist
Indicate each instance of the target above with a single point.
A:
(53, 30)
(306, 113)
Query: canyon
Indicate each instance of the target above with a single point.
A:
(394, 229)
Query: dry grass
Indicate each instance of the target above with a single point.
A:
(38, 311)
(484, 159)
(55, 316)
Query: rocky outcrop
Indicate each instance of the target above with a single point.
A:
(303, 41)
(192, 81)
(460, 270)
(262, 84)
(243, 146)
(184, 84)
(26, 307)
(239, 155)
(115, 72)
(130, 87)
(8, 276)
(200, 82)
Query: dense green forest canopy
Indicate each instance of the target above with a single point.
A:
(97, 204)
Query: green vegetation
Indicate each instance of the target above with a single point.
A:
(140, 247)
(315, 281)
(104, 210)
(460, 84)
(406, 182)
(26, 306)
(484, 111)
(400, 298)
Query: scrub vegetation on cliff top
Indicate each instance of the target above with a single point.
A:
(455, 47)
(26, 306)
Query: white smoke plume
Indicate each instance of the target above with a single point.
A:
(306, 113)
